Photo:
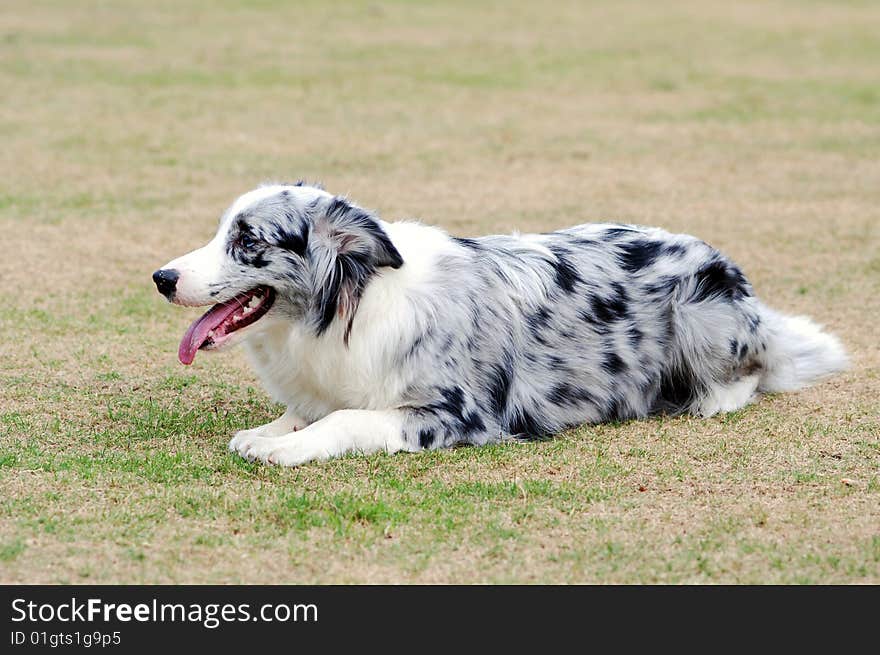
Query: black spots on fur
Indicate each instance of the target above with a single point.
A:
(673, 250)
(259, 260)
(754, 322)
(638, 255)
(452, 409)
(616, 409)
(561, 394)
(471, 244)
(240, 240)
(524, 424)
(541, 317)
(607, 309)
(293, 242)
(635, 337)
(720, 279)
(426, 437)
(557, 363)
(741, 357)
(498, 386)
(472, 423)
(584, 243)
(328, 300)
(417, 343)
(567, 276)
(599, 327)
(643, 253)
(538, 322)
(492, 272)
(454, 402)
(567, 395)
(619, 299)
(612, 363)
(291, 239)
(678, 389)
(253, 258)
(614, 233)
(662, 287)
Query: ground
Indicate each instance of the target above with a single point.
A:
(127, 127)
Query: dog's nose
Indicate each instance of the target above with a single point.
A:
(166, 281)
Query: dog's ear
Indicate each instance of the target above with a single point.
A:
(355, 232)
(348, 245)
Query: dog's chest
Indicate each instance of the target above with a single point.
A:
(317, 376)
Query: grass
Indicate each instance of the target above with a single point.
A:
(754, 126)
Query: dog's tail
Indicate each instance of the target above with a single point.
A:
(798, 352)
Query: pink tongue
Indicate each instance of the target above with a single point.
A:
(197, 333)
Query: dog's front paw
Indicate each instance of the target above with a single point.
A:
(285, 425)
(243, 439)
(242, 435)
(283, 451)
(295, 452)
(254, 448)
(238, 438)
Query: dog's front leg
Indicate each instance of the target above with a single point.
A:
(344, 431)
(285, 424)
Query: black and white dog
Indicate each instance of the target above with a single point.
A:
(396, 336)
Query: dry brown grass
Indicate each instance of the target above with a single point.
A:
(128, 127)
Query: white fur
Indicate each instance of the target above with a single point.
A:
(198, 269)
(800, 353)
(729, 397)
(340, 433)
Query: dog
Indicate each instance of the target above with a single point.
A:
(392, 337)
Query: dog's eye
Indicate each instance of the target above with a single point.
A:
(246, 241)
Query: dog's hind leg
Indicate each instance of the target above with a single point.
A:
(342, 432)
(285, 424)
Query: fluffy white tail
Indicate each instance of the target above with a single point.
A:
(798, 353)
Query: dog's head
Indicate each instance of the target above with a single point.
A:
(293, 252)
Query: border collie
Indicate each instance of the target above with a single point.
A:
(397, 336)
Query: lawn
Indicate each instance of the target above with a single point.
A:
(127, 127)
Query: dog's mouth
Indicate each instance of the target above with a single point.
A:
(217, 325)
